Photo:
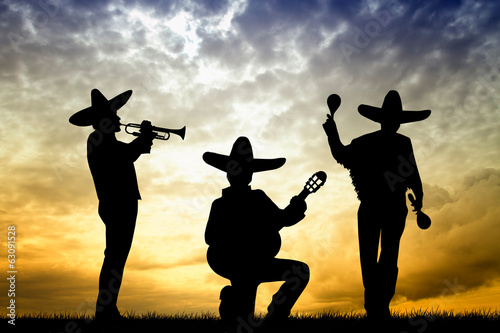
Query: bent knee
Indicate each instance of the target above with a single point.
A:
(301, 270)
(305, 269)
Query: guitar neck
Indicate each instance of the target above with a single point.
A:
(304, 193)
(313, 184)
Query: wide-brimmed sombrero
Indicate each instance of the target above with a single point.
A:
(392, 110)
(241, 156)
(100, 105)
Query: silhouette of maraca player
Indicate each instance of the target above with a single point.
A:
(382, 168)
(111, 164)
(243, 237)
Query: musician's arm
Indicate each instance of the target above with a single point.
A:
(212, 231)
(142, 144)
(294, 212)
(280, 218)
(337, 149)
(414, 182)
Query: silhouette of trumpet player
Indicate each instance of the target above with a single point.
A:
(243, 237)
(382, 168)
(111, 164)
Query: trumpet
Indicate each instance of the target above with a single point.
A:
(160, 133)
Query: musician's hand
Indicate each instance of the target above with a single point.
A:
(329, 125)
(298, 205)
(147, 131)
(146, 127)
(417, 205)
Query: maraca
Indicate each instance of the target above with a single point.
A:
(423, 220)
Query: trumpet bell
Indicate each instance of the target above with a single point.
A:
(180, 132)
(164, 133)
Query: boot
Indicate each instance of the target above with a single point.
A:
(227, 309)
(388, 288)
(371, 282)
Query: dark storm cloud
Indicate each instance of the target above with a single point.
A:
(415, 47)
(165, 9)
(400, 39)
(268, 25)
(231, 52)
(387, 32)
(158, 8)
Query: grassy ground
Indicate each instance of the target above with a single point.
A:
(416, 321)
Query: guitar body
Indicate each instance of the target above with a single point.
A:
(247, 229)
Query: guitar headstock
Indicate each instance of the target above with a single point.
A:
(315, 182)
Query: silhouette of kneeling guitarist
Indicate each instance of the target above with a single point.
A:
(243, 237)
(111, 164)
(382, 168)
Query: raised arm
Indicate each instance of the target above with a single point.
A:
(336, 147)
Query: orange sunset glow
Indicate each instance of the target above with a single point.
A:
(264, 70)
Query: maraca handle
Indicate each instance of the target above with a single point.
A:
(412, 200)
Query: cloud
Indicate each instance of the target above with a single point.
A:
(458, 253)
(461, 244)
(264, 70)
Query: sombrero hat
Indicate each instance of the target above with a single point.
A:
(241, 156)
(392, 110)
(100, 105)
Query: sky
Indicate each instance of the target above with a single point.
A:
(261, 69)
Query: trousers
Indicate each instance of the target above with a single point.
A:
(245, 277)
(380, 224)
(119, 219)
